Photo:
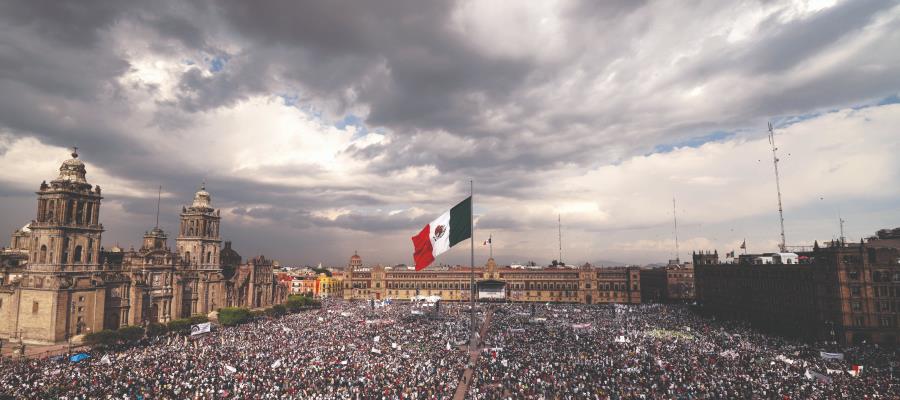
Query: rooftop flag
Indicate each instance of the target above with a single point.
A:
(440, 235)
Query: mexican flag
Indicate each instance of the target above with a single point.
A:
(440, 235)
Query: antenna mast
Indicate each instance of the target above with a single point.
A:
(775, 160)
(675, 219)
(841, 220)
(559, 227)
(158, 198)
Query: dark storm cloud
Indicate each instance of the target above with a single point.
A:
(506, 120)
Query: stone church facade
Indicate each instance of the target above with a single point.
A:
(57, 281)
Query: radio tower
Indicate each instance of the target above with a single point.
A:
(775, 160)
(675, 218)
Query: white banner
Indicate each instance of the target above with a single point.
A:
(200, 328)
(817, 376)
(831, 356)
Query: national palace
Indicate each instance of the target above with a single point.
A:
(57, 281)
(584, 284)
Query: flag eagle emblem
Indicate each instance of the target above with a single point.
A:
(439, 231)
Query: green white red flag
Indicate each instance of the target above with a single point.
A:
(440, 235)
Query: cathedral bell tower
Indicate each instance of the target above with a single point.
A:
(198, 238)
(60, 292)
(66, 233)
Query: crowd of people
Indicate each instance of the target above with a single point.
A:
(342, 351)
(357, 350)
(558, 351)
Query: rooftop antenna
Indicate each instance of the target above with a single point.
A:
(158, 199)
(841, 220)
(675, 219)
(775, 160)
(559, 227)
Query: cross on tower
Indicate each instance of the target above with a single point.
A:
(74, 151)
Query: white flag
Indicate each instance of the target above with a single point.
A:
(377, 338)
(230, 369)
(105, 360)
(276, 364)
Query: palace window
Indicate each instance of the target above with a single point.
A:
(43, 258)
(855, 306)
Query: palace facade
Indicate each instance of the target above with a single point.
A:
(845, 292)
(585, 284)
(57, 282)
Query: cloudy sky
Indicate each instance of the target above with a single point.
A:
(336, 126)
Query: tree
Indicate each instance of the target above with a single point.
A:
(131, 333)
(182, 325)
(231, 316)
(106, 337)
(155, 329)
(277, 310)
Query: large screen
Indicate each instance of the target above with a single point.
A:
(496, 294)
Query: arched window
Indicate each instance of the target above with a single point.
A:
(43, 258)
(76, 257)
(50, 210)
(187, 257)
(79, 212)
(89, 213)
(208, 257)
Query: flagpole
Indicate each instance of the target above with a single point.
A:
(472, 265)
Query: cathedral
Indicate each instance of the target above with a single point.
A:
(57, 281)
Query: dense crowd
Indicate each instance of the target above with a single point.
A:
(345, 350)
(352, 350)
(559, 351)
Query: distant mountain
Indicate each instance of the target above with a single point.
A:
(608, 263)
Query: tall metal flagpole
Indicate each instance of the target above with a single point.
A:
(472, 265)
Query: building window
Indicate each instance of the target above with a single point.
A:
(860, 321)
(77, 256)
(855, 306)
(855, 291)
(34, 307)
(43, 258)
(853, 274)
(887, 321)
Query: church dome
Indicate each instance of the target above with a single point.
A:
(72, 170)
(201, 198)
